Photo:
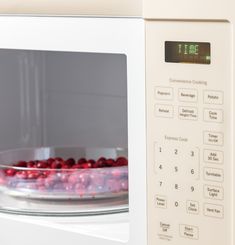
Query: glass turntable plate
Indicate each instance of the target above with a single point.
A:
(64, 181)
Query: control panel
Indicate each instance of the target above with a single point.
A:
(189, 110)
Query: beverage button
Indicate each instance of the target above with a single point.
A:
(188, 113)
(213, 192)
(189, 231)
(213, 156)
(160, 201)
(163, 93)
(214, 174)
(213, 115)
(187, 95)
(213, 97)
(214, 211)
(192, 207)
(164, 111)
(213, 138)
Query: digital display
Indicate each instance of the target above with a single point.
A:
(188, 52)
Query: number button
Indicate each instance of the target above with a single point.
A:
(192, 189)
(176, 187)
(176, 204)
(176, 169)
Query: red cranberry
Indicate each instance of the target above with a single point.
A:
(10, 172)
(22, 175)
(31, 164)
(70, 162)
(56, 164)
(50, 161)
(65, 166)
(122, 161)
(21, 164)
(45, 173)
(77, 166)
(101, 162)
(59, 159)
(81, 161)
(110, 162)
(91, 161)
(41, 164)
(87, 165)
(33, 174)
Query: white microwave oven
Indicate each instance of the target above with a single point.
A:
(148, 81)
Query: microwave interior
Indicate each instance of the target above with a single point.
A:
(62, 105)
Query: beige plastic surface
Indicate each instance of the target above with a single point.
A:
(72, 7)
(178, 143)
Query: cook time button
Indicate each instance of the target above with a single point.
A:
(189, 231)
(163, 93)
(213, 115)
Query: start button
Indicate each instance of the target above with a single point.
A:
(189, 231)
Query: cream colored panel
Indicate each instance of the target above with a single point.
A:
(72, 7)
(190, 182)
(189, 9)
